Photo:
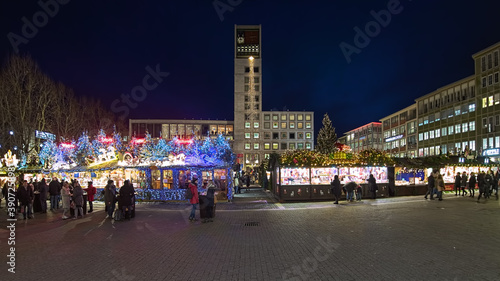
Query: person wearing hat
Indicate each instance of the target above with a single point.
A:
(194, 200)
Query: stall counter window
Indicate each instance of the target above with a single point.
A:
(323, 175)
(295, 176)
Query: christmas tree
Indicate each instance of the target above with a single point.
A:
(327, 137)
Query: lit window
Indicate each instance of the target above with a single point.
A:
(275, 125)
(300, 117)
(267, 146)
(247, 146)
(292, 117)
(283, 117)
(247, 135)
(308, 125)
(420, 137)
(283, 125)
(300, 125)
(256, 124)
(464, 127)
(275, 145)
(308, 135)
(472, 107)
(308, 145)
(431, 134)
(266, 117)
(438, 133)
(255, 135)
(256, 146)
(267, 125)
(275, 117)
(247, 125)
(457, 129)
(292, 125)
(300, 145)
(426, 135)
(472, 126)
(490, 100)
(450, 130)
(308, 117)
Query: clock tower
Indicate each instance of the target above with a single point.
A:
(247, 94)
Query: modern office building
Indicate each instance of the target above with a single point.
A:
(400, 132)
(257, 133)
(368, 136)
(447, 119)
(487, 83)
(182, 129)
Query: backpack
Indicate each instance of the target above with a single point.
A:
(188, 194)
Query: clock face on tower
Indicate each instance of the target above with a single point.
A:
(241, 39)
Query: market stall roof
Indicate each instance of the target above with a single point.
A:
(114, 165)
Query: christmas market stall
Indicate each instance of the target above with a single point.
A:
(304, 175)
(159, 170)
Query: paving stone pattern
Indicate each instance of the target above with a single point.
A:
(403, 238)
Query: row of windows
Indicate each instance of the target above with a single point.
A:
(276, 136)
(256, 88)
(410, 127)
(255, 69)
(255, 106)
(459, 93)
(284, 117)
(276, 146)
(490, 79)
(446, 131)
(491, 100)
(256, 79)
(367, 142)
(364, 132)
(447, 113)
(489, 61)
(456, 148)
(276, 125)
(395, 144)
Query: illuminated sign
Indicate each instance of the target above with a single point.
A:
(394, 138)
(491, 152)
(44, 135)
(185, 142)
(67, 145)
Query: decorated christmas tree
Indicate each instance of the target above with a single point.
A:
(327, 137)
(84, 150)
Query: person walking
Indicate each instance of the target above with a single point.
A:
(78, 199)
(458, 181)
(472, 184)
(372, 186)
(439, 182)
(54, 187)
(236, 184)
(194, 199)
(483, 182)
(25, 196)
(496, 178)
(126, 196)
(430, 186)
(493, 185)
(43, 189)
(336, 190)
(66, 204)
(91, 191)
(463, 183)
(110, 198)
(247, 181)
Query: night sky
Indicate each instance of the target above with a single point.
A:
(101, 49)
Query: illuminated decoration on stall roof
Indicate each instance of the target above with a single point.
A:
(138, 141)
(67, 145)
(106, 140)
(10, 159)
(184, 142)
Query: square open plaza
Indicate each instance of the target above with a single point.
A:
(260, 200)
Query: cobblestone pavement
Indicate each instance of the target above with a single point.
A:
(404, 238)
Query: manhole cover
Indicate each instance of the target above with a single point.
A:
(253, 223)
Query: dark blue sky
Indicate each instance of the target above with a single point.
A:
(101, 49)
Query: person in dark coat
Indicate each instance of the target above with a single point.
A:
(430, 187)
(463, 183)
(54, 191)
(78, 199)
(5, 193)
(484, 185)
(211, 203)
(25, 196)
(336, 190)
(91, 191)
(247, 181)
(110, 198)
(126, 198)
(43, 189)
(494, 185)
(349, 188)
(458, 180)
(472, 185)
(372, 186)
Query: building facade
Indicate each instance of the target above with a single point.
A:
(181, 129)
(400, 133)
(368, 136)
(258, 133)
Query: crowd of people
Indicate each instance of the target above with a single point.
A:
(71, 198)
(486, 182)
